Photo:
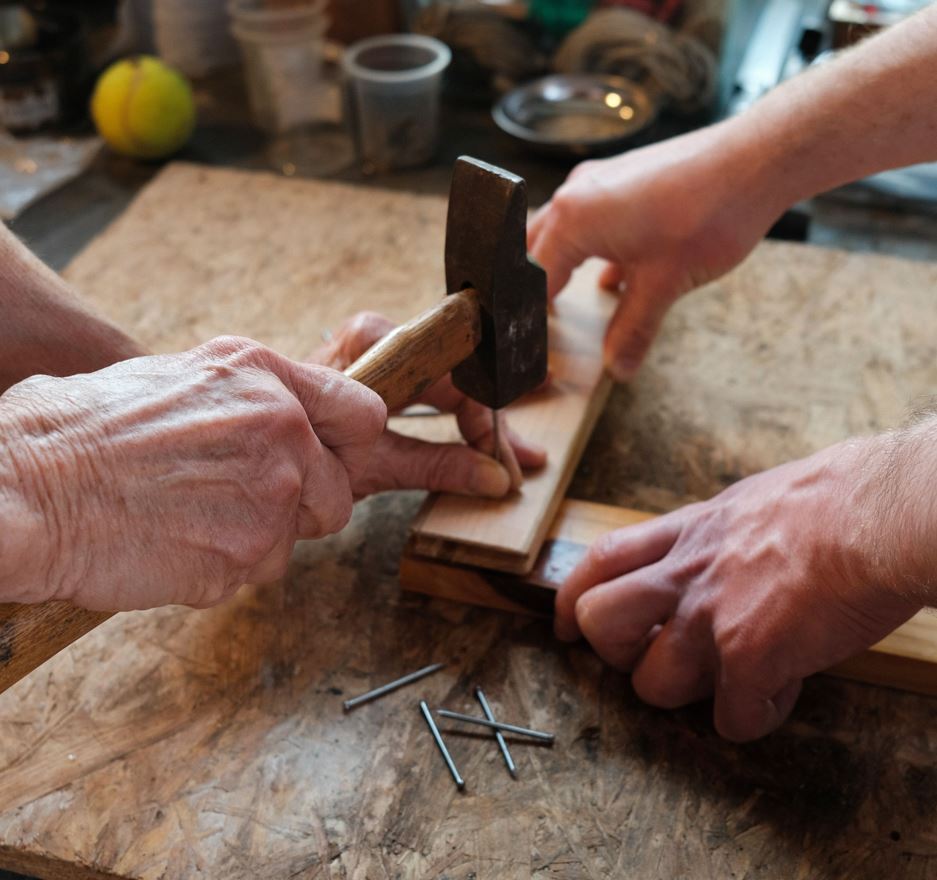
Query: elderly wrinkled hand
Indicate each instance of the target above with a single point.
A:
(177, 478)
(401, 462)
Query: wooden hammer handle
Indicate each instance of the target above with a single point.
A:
(31, 634)
(414, 356)
(399, 368)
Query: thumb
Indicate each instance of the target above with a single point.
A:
(636, 322)
(352, 340)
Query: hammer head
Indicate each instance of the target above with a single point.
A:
(486, 248)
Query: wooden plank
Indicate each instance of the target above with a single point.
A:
(507, 534)
(906, 659)
(48, 869)
(576, 525)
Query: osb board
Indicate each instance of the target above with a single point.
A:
(179, 744)
(204, 252)
(797, 349)
(507, 534)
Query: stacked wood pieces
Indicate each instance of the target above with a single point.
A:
(507, 534)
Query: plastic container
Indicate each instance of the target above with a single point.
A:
(193, 37)
(260, 17)
(393, 85)
(283, 47)
(282, 50)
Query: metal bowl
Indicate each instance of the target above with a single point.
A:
(577, 113)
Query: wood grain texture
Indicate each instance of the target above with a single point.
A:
(259, 255)
(575, 526)
(31, 634)
(212, 744)
(420, 352)
(906, 659)
(507, 534)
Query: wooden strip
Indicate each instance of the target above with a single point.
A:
(906, 659)
(507, 534)
(575, 527)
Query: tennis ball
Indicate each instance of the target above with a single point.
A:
(143, 108)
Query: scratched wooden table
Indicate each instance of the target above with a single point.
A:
(176, 744)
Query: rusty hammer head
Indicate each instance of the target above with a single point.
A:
(486, 248)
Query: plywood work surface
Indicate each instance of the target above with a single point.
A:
(205, 252)
(212, 744)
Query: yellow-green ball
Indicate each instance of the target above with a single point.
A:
(143, 108)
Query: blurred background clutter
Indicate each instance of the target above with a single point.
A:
(393, 90)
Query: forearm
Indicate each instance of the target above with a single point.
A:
(871, 109)
(903, 531)
(44, 327)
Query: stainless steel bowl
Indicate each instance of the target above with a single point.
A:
(578, 113)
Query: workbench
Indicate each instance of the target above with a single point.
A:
(177, 743)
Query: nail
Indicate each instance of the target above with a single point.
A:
(499, 736)
(497, 725)
(392, 686)
(490, 479)
(437, 736)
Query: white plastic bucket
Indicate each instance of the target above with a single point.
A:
(393, 85)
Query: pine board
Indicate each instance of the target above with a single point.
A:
(507, 534)
(906, 659)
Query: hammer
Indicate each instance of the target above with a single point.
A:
(490, 332)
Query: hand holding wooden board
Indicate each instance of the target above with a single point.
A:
(906, 659)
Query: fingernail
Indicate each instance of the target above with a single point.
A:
(565, 630)
(490, 479)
